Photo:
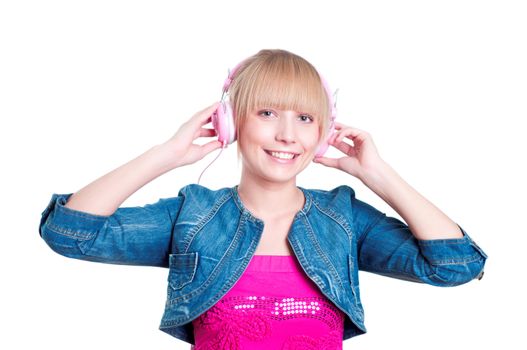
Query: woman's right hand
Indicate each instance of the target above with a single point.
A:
(180, 149)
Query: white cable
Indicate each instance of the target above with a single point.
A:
(209, 164)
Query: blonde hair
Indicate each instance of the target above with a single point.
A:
(278, 79)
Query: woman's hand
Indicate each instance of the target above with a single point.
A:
(361, 158)
(180, 149)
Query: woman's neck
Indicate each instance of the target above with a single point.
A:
(270, 199)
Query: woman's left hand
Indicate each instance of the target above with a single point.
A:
(361, 158)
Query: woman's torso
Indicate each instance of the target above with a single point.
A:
(274, 305)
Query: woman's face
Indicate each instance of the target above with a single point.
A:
(277, 145)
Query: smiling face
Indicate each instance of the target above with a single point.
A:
(276, 145)
(280, 105)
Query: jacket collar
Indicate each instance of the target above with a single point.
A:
(305, 209)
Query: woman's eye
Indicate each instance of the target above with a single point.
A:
(306, 118)
(266, 113)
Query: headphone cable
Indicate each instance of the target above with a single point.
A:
(221, 150)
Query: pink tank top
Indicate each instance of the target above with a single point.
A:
(274, 305)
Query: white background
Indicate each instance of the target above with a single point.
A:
(86, 86)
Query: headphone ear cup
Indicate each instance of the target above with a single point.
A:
(322, 149)
(223, 123)
(325, 144)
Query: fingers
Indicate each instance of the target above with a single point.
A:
(208, 110)
(340, 126)
(345, 148)
(349, 132)
(329, 162)
(209, 147)
(205, 115)
(204, 132)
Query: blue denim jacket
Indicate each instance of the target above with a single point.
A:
(206, 238)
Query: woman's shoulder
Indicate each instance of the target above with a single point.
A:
(332, 200)
(342, 192)
(203, 192)
(197, 198)
(206, 196)
(342, 200)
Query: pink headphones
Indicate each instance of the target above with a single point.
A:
(223, 118)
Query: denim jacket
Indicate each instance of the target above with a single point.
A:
(207, 237)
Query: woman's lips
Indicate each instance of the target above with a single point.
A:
(282, 160)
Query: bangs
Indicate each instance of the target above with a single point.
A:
(287, 91)
(285, 82)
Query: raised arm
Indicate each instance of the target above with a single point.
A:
(90, 225)
(424, 219)
(107, 193)
(429, 248)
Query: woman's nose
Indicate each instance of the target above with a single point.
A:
(285, 132)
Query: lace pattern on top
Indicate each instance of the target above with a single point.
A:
(234, 320)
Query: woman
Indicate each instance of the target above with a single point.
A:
(265, 264)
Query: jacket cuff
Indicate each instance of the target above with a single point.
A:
(453, 251)
(69, 222)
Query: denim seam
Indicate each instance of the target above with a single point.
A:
(442, 242)
(210, 302)
(450, 261)
(339, 219)
(309, 201)
(235, 196)
(351, 269)
(70, 233)
(198, 311)
(336, 218)
(189, 237)
(235, 277)
(202, 307)
(194, 266)
(321, 253)
(432, 265)
(214, 272)
(73, 212)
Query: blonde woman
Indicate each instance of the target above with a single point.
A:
(265, 264)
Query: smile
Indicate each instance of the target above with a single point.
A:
(282, 155)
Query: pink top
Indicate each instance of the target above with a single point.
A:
(274, 305)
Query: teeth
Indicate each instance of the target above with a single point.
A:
(282, 155)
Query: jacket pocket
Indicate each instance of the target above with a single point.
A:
(182, 268)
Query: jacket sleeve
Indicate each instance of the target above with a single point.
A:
(386, 246)
(130, 236)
